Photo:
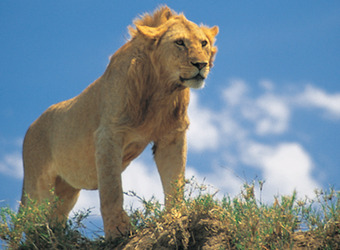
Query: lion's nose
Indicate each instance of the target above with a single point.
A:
(199, 65)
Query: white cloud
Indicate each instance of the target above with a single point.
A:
(235, 93)
(230, 129)
(286, 167)
(145, 181)
(225, 180)
(219, 179)
(273, 115)
(315, 97)
(267, 85)
(88, 199)
(268, 113)
(11, 165)
(203, 133)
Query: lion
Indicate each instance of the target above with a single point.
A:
(142, 97)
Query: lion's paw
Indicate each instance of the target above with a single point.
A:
(120, 226)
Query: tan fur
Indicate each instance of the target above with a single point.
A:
(87, 142)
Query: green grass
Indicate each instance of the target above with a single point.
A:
(200, 220)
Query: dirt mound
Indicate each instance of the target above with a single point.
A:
(184, 233)
(308, 240)
(207, 233)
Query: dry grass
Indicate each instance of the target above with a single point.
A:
(199, 221)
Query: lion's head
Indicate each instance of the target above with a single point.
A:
(180, 50)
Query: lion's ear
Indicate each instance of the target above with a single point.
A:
(214, 31)
(210, 32)
(166, 13)
(150, 32)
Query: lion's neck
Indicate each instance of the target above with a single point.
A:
(156, 108)
(151, 102)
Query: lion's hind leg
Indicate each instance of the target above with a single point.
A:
(61, 197)
(39, 179)
(67, 196)
(38, 192)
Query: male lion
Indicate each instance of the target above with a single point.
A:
(87, 142)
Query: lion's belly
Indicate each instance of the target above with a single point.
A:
(79, 170)
(76, 164)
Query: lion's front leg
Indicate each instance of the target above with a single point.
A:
(170, 154)
(109, 169)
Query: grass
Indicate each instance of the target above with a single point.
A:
(200, 220)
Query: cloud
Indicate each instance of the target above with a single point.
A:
(286, 167)
(145, 181)
(203, 133)
(235, 93)
(219, 179)
(314, 97)
(268, 113)
(272, 116)
(241, 124)
(88, 199)
(267, 85)
(11, 165)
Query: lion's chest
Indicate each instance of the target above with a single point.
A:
(152, 130)
(132, 151)
(158, 124)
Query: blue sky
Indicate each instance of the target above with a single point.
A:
(270, 109)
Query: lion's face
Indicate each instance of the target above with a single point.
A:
(182, 51)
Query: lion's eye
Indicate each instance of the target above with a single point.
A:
(180, 42)
(204, 43)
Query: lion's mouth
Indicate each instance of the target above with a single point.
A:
(198, 77)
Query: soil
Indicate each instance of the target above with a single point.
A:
(205, 233)
(183, 234)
